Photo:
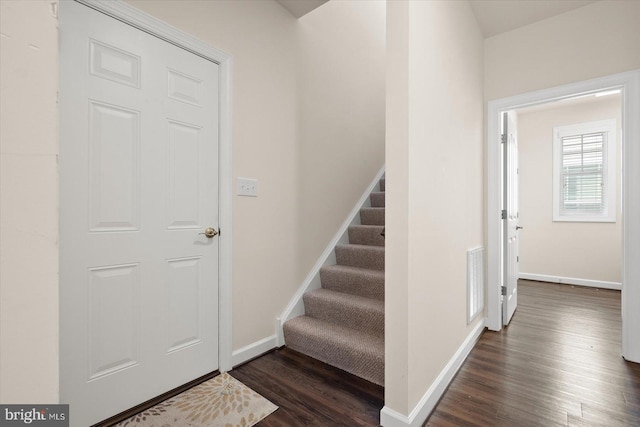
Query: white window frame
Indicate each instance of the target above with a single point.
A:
(560, 132)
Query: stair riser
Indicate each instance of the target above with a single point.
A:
(369, 366)
(353, 283)
(361, 256)
(372, 216)
(364, 319)
(377, 200)
(366, 236)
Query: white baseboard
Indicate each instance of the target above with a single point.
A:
(312, 281)
(392, 418)
(571, 281)
(252, 350)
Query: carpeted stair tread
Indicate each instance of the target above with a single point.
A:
(377, 199)
(345, 348)
(359, 313)
(343, 323)
(362, 256)
(366, 235)
(353, 280)
(372, 216)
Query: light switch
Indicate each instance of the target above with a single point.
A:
(247, 187)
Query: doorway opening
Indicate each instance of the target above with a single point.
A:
(629, 86)
(570, 204)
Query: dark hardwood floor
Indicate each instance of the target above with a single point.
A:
(557, 364)
(309, 392)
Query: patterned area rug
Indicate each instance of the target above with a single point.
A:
(221, 401)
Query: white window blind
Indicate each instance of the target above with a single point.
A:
(584, 165)
(584, 172)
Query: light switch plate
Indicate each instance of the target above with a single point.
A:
(247, 187)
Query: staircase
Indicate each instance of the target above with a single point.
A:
(343, 323)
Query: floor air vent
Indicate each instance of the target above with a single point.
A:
(475, 283)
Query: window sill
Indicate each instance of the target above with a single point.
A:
(584, 219)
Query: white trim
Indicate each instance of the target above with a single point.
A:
(629, 83)
(225, 258)
(571, 281)
(253, 350)
(312, 281)
(392, 418)
(631, 218)
(149, 24)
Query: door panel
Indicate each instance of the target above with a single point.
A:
(138, 183)
(184, 200)
(112, 319)
(510, 203)
(114, 144)
(184, 314)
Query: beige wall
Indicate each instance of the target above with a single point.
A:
(396, 212)
(341, 84)
(593, 41)
(561, 50)
(28, 202)
(434, 174)
(308, 123)
(591, 251)
(281, 135)
(261, 37)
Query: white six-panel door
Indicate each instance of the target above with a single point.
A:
(511, 236)
(138, 184)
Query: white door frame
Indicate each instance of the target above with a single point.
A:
(629, 83)
(149, 24)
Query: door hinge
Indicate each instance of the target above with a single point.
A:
(503, 138)
(503, 214)
(504, 290)
(518, 258)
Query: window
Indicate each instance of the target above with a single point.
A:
(584, 162)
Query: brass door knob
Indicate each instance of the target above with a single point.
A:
(210, 232)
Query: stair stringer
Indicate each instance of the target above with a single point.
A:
(295, 307)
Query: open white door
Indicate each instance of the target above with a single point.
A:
(138, 188)
(510, 216)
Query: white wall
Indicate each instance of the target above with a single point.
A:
(434, 185)
(28, 202)
(261, 37)
(341, 84)
(591, 251)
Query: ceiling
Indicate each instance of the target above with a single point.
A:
(299, 8)
(494, 16)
